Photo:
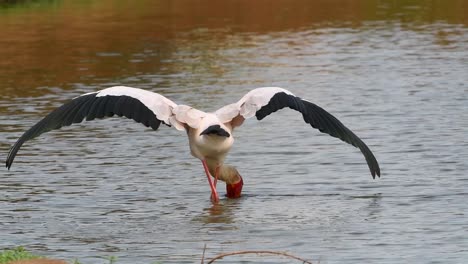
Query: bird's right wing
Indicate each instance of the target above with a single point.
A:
(145, 107)
(264, 101)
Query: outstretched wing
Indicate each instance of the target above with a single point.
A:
(144, 107)
(261, 102)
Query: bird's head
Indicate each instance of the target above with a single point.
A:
(234, 190)
(234, 182)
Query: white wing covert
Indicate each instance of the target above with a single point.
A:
(184, 114)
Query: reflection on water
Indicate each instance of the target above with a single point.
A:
(393, 71)
(221, 213)
(74, 44)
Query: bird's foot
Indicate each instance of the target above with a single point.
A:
(214, 197)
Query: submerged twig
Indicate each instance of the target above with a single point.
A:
(258, 252)
(203, 255)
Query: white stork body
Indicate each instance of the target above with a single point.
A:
(213, 148)
(210, 134)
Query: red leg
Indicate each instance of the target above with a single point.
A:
(214, 193)
(216, 176)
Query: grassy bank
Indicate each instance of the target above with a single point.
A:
(18, 253)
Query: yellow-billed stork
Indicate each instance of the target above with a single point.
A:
(210, 134)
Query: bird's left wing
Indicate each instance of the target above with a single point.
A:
(143, 106)
(261, 102)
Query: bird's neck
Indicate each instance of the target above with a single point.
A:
(227, 173)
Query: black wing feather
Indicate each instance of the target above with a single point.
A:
(101, 108)
(320, 119)
(90, 107)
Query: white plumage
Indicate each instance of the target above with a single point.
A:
(210, 134)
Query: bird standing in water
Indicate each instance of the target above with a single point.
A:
(210, 134)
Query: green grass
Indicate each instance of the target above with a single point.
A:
(18, 253)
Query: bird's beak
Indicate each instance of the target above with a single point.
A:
(216, 130)
(234, 190)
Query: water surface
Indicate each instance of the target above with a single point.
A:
(396, 74)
